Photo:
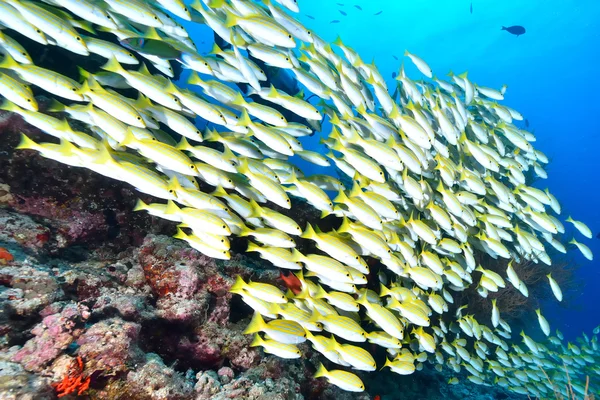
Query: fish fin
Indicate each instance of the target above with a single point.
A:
(231, 20)
(309, 233)
(238, 284)
(321, 371)
(152, 33)
(56, 106)
(112, 65)
(140, 205)
(27, 144)
(252, 247)
(180, 234)
(194, 79)
(257, 341)
(8, 62)
(8, 105)
(172, 208)
(257, 324)
(183, 144)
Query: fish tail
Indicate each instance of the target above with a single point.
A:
(180, 234)
(256, 324)
(239, 283)
(112, 65)
(503, 28)
(257, 341)
(321, 371)
(172, 208)
(27, 143)
(140, 205)
(252, 247)
(8, 62)
(309, 233)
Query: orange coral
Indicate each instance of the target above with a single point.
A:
(73, 381)
(5, 256)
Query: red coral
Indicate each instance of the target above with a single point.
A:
(5, 256)
(73, 382)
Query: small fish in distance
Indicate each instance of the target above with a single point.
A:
(335, 21)
(471, 8)
(377, 13)
(526, 123)
(517, 30)
(358, 7)
(343, 12)
(395, 58)
(310, 16)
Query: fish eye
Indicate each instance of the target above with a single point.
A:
(309, 33)
(283, 297)
(74, 89)
(198, 132)
(222, 240)
(287, 59)
(139, 118)
(24, 54)
(330, 204)
(348, 275)
(224, 226)
(229, 181)
(156, 18)
(29, 100)
(290, 36)
(283, 119)
(221, 116)
(206, 64)
(171, 191)
(363, 334)
(192, 166)
(298, 352)
(290, 147)
(78, 38)
(154, 138)
(381, 173)
(288, 200)
(185, 9)
(38, 31)
(356, 257)
(175, 99)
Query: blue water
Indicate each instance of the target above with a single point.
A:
(552, 77)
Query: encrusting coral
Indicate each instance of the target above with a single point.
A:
(438, 183)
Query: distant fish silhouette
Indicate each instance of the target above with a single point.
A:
(310, 16)
(394, 75)
(395, 58)
(359, 7)
(471, 8)
(340, 4)
(335, 21)
(343, 12)
(598, 236)
(517, 30)
(526, 123)
(377, 13)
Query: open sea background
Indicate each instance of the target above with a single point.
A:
(553, 80)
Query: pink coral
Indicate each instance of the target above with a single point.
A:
(51, 337)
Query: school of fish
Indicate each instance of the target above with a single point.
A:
(439, 172)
